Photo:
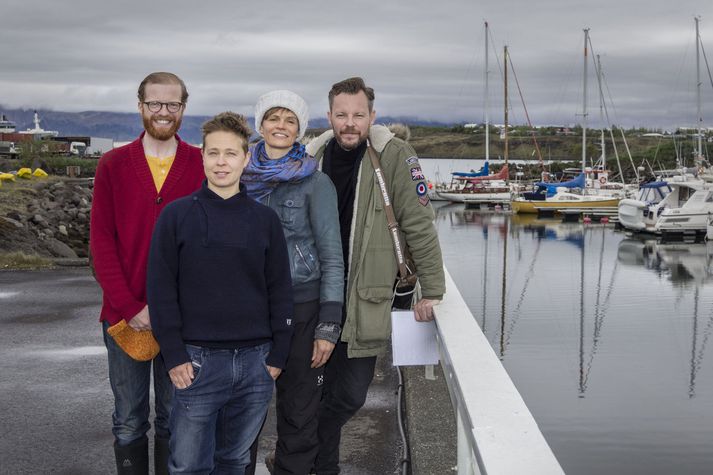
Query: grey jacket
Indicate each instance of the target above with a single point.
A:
(310, 221)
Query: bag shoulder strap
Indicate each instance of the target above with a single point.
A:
(390, 216)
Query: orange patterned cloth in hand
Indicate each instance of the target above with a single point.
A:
(139, 344)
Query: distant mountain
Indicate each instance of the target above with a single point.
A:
(125, 126)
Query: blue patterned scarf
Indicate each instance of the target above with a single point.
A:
(263, 174)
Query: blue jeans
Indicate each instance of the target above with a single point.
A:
(216, 419)
(130, 382)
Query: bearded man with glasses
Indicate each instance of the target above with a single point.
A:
(132, 185)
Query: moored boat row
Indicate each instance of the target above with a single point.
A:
(671, 205)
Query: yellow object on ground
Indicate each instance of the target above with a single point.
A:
(24, 173)
(40, 173)
(7, 177)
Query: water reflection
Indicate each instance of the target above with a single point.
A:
(553, 229)
(685, 264)
(603, 334)
(510, 312)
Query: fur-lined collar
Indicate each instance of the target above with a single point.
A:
(379, 135)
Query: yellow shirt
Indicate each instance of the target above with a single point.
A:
(160, 167)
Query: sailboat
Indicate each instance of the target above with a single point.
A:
(563, 200)
(484, 171)
(481, 187)
(564, 196)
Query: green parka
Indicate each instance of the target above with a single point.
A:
(372, 266)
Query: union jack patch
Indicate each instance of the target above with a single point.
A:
(417, 174)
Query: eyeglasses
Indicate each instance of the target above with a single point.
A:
(156, 106)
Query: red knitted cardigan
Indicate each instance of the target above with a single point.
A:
(125, 208)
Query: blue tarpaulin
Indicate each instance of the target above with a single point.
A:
(482, 172)
(578, 182)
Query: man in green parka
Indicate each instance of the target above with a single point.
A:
(370, 262)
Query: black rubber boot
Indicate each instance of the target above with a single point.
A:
(160, 456)
(132, 459)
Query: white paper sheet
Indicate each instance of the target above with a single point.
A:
(413, 343)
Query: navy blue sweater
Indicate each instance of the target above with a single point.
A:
(219, 276)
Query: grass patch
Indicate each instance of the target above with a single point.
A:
(58, 165)
(20, 260)
(16, 195)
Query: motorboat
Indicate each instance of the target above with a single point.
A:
(692, 218)
(642, 213)
(689, 220)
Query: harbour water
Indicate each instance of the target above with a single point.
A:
(605, 336)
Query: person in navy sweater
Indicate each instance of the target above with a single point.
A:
(221, 306)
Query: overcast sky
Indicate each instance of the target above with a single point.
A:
(424, 58)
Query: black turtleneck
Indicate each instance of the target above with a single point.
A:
(342, 166)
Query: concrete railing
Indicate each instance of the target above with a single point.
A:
(496, 431)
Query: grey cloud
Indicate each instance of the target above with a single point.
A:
(424, 58)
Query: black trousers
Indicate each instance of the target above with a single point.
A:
(346, 383)
(299, 390)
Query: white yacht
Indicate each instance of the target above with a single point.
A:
(641, 214)
(691, 219)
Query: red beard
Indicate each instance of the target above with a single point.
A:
(161, 134)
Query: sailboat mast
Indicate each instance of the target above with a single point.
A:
(487, 99)
(698, 90)
(505, 61)
(584, 102)
(601, 112)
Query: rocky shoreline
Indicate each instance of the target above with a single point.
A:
(48, 218)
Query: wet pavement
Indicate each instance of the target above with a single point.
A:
(55, 400)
